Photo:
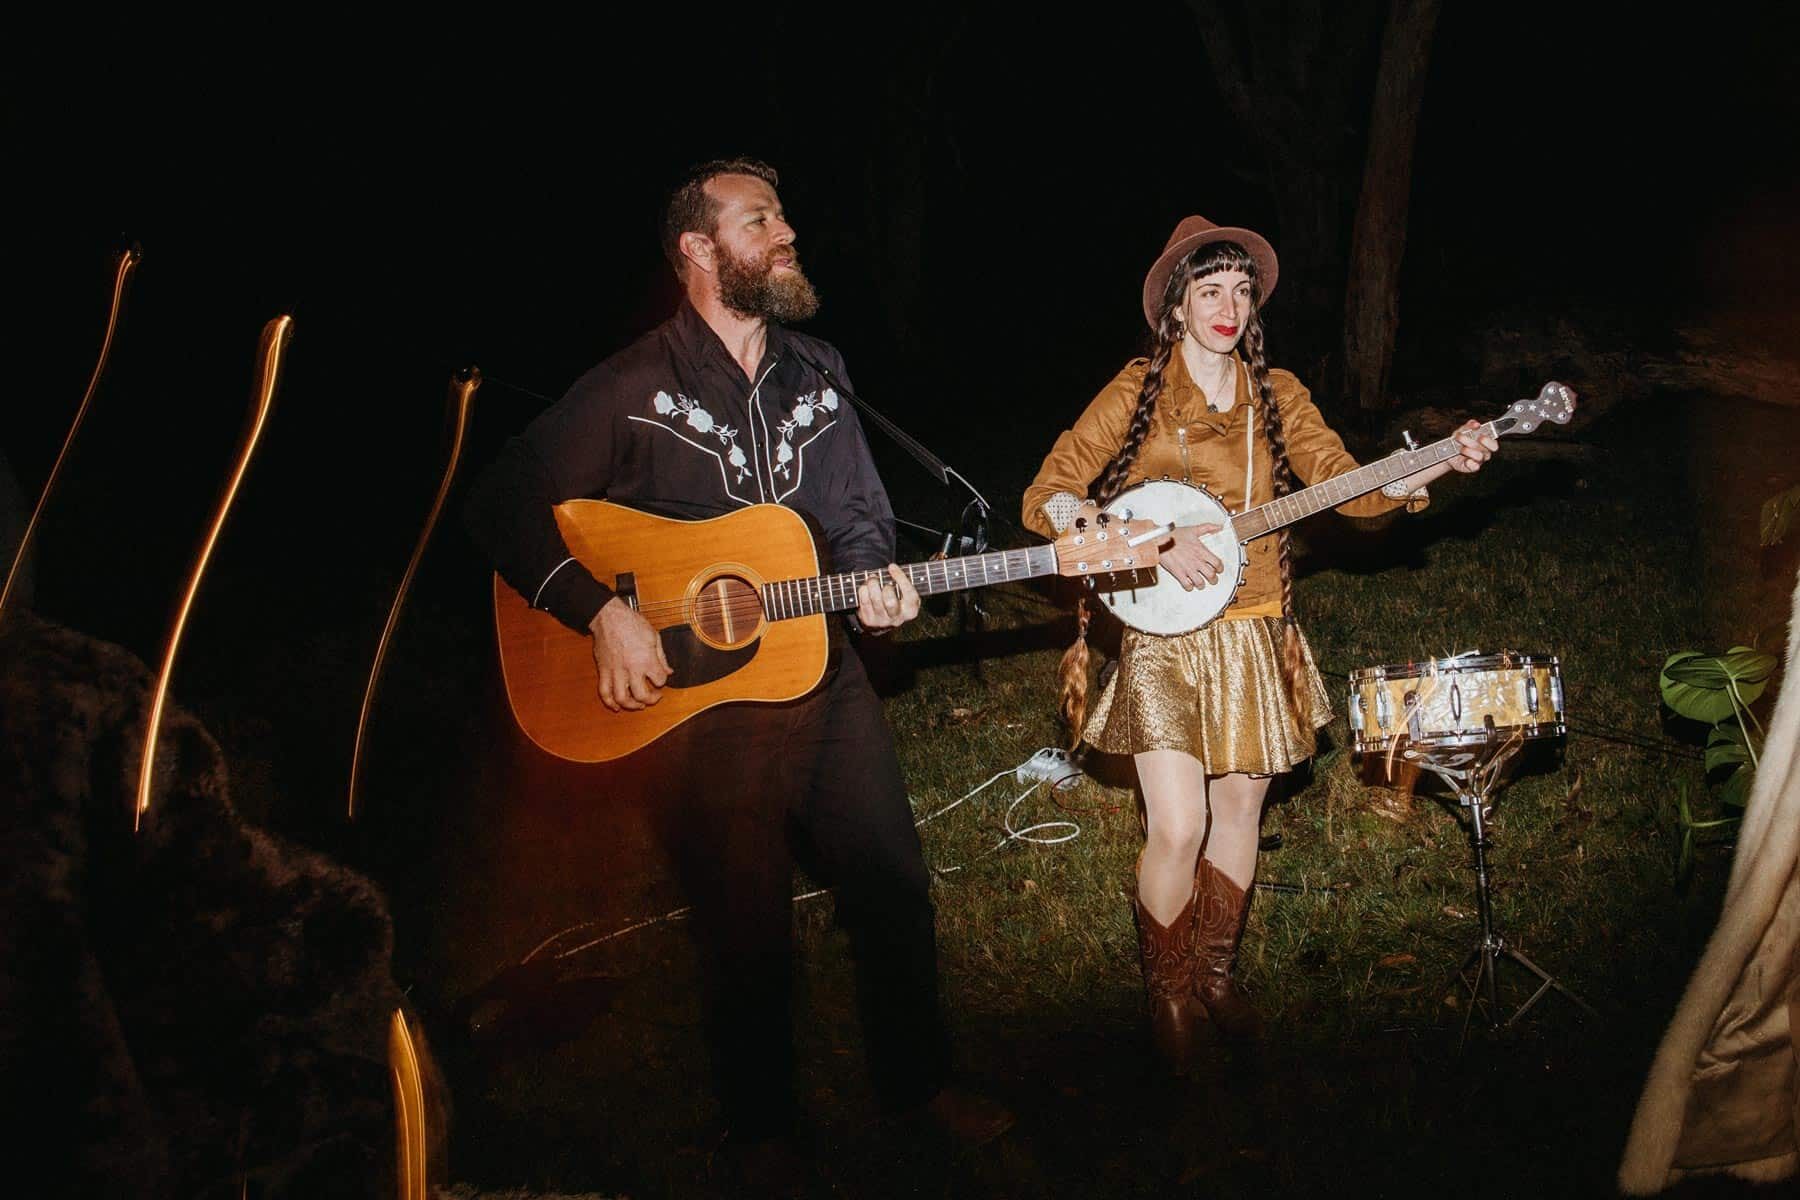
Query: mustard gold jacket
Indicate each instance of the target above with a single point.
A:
(1189, 441)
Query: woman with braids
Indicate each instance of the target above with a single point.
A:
(1210, 717)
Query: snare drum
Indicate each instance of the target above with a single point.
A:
(1451, 701)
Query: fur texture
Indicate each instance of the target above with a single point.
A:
(188, 1006)
(1722, 1092)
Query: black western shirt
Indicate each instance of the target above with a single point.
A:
(671, 425)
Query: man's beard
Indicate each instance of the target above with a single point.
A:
(753, 288)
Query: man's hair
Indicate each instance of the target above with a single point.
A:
(691, 210)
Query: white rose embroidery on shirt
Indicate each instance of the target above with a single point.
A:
(679, 408)
(806, 411)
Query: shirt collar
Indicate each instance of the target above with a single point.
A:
(702, 344)
(1186, 400)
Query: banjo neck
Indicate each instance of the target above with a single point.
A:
(1297, 506)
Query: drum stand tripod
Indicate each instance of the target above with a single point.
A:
(1472, 773)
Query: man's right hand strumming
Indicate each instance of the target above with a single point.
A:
(628, 657)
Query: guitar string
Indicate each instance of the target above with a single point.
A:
(675, 612)
(1285, 510)
(801, 594)
(810, 591)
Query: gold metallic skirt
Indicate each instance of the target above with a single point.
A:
(1216, 693)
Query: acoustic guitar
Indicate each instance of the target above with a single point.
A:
(740, 606)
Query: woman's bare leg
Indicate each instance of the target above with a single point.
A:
(1237, 804)
(1174, 786)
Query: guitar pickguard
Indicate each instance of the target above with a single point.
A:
(692, 662)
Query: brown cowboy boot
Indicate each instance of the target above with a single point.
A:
(1167, 955)
(1223, 909)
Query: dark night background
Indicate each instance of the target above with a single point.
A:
(977, 194)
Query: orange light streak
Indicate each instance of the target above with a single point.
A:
(128, 261)
(269, 351)
(463, 386)
(409, 1109)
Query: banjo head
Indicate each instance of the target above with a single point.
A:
(1151, 600)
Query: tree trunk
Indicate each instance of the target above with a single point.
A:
(1378, 240)
(1288, 69)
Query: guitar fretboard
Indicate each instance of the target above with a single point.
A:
(787, 598)
(1267, 518)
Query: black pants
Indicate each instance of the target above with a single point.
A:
(759, 783)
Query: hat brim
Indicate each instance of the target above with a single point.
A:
(1254, 244)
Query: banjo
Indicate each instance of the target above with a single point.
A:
(1155, 602)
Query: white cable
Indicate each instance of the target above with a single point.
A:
(674, 915)
(1046, 758)
(1024, 835)
(966, 795)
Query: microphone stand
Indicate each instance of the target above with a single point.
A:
(953, 539)
(931, 462)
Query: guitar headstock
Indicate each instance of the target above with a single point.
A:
(1554, 402)
(1099, 543)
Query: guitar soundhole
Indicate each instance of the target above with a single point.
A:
(727, 611)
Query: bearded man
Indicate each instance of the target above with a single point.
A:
(718, 408)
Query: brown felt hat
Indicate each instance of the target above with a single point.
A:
(1194, 232)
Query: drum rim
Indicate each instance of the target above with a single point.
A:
(1459, 665)
(1542, 729)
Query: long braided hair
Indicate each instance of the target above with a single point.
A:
(1204, 261)
(1281, 477)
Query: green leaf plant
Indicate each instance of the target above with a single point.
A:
(1779, 514)
(1718, 690)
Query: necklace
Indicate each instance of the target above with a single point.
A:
(1217, 389)
(1224, 377)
